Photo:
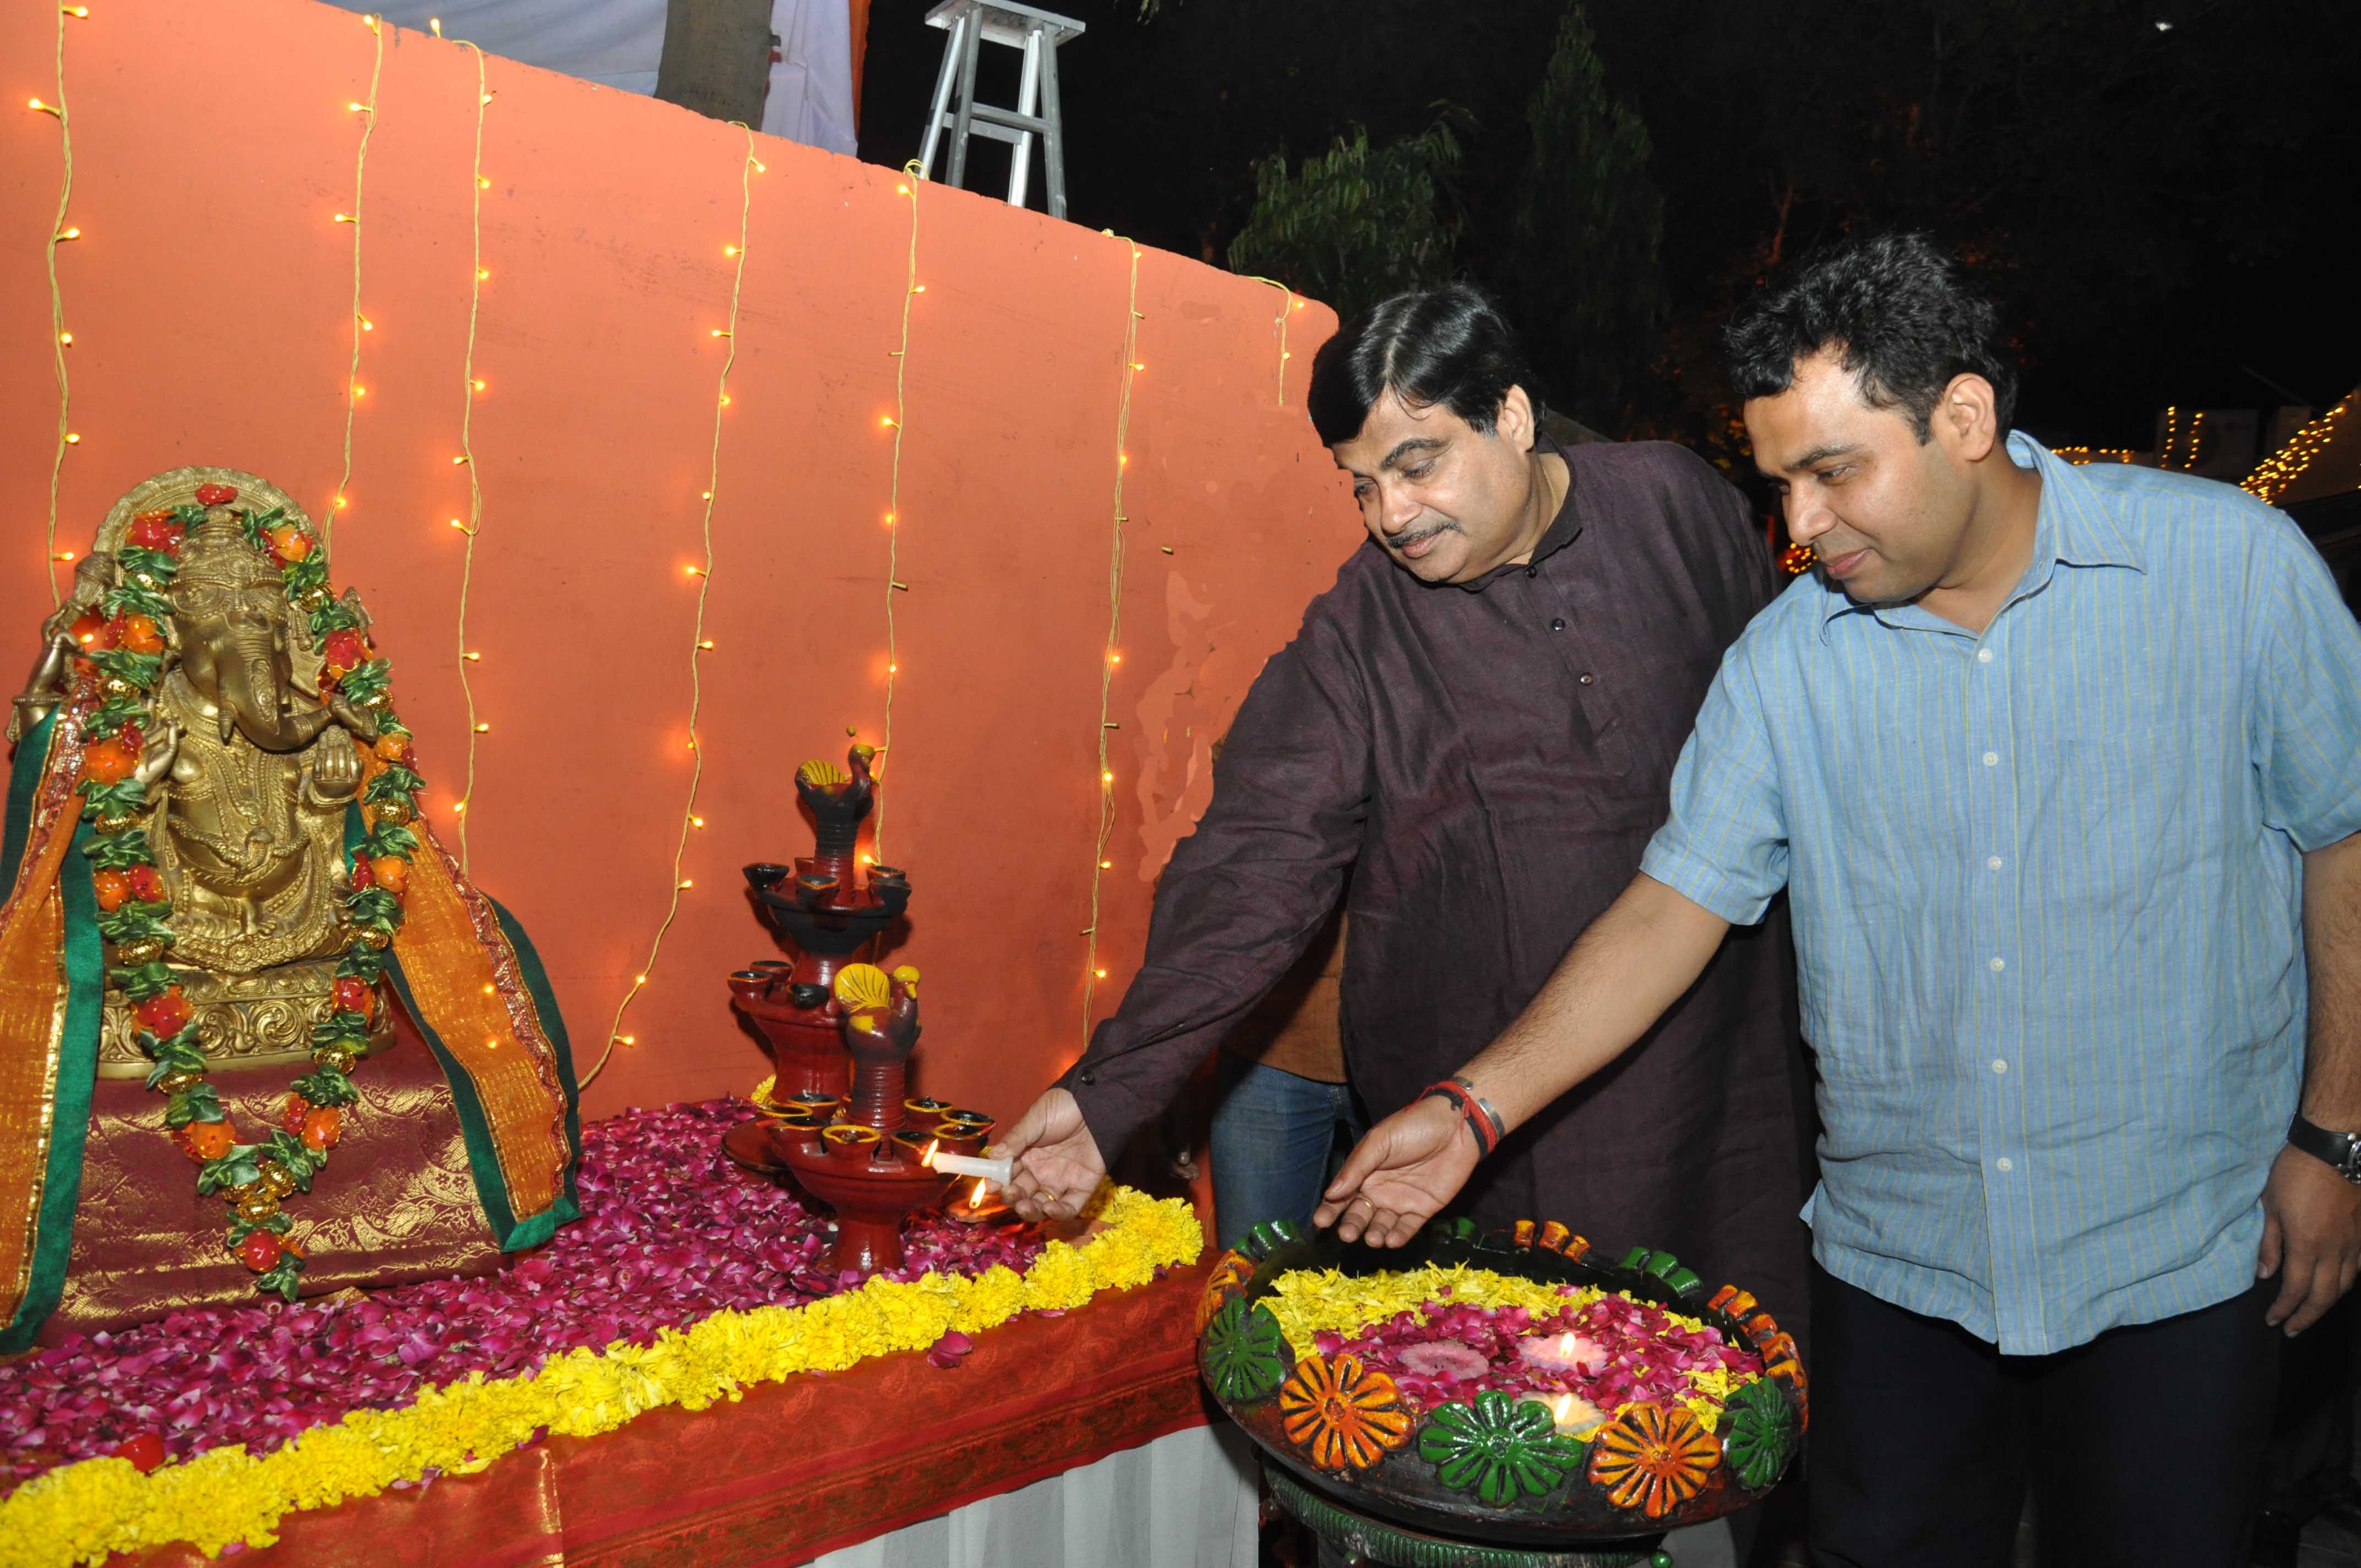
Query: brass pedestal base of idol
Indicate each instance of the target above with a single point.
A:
(1349, 1539)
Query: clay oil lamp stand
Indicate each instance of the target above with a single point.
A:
(832, 916)
(839, 1032)
(867, 1162)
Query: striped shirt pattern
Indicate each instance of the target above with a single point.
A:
(2046, 886)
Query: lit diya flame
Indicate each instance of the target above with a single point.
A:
(1560, 1353)
(1573, 1415)
(929, 1157)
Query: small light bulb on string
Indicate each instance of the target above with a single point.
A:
(434, 25)
(480, 386)
(80, 12)
(360, 392)
(70, 233)
(65, 554)
(73, 440)
(729, 250)
(45, 108)
(66, 338)
(473, 657)
(368, 325)
(706, 644)
(1106, 777)
(458, 806)
(356, 107)
(346, 218)
(341, 504)
(687, 883)
(697, 822)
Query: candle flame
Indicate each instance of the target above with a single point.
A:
(976, 1195)
(929, 1157)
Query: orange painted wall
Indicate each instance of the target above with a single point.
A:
(209, 299)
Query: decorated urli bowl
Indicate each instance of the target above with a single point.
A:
(1622, 1484)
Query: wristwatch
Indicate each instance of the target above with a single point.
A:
(2340, 1150)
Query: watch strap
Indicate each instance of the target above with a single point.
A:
(1483, 1123)
(2341, 1151)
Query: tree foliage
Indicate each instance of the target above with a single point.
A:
(1356, 224)
(1581, 272)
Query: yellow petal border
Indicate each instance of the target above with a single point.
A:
(81, 1513)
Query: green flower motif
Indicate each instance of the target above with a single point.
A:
(1246, 1355)
(1759, 1432)
(1498, 1448)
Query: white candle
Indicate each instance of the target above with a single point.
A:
(992, 1171)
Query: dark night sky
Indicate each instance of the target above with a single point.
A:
(2164, 210)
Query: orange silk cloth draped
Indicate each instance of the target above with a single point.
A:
(795, 1469)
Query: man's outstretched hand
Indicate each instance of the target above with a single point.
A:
(1401, 1175)
(1057, 1161)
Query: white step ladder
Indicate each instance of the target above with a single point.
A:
(971, 24)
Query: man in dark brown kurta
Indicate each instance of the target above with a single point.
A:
(1481, 718)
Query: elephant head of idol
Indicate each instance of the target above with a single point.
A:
(236, 634)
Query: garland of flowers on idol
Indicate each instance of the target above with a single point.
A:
(121, 667)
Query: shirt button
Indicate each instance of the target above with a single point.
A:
(1558, 625)
(1086, 1077)
(1999, 1065)
(1587, 678)
(1994, 863)
(1533, 571)
(2003, 1165)
(1998, 965)
(1991, 759)
(1983, 655)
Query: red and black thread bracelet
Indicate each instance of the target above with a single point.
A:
(1484, 1123)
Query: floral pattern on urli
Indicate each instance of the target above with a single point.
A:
(1344, 1416)
(1762, 1433)
(1233, 1271)
(1652, 1458)
(1246, 1355)
(1498, 1448)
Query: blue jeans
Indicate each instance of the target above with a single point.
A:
(1275, 1144)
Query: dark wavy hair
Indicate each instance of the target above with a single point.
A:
(1901, 314)
(1449, 345)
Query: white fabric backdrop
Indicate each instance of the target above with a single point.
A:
(619, 42)
(1183, 1501)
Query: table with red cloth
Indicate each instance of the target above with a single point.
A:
(792, 1469)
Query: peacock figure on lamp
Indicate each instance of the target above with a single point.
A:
(839, 1033)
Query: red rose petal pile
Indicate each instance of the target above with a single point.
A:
(670, 1232)
(1640, 1352)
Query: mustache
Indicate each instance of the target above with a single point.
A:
(1403, 541)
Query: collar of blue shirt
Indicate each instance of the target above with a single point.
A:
(2072, 527)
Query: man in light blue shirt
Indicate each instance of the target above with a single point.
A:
(2060, 769)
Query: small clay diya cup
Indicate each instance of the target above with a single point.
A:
(958, 1138)
(850, 1142)
(817, 1100)
(976, 1119)
(915, 1142)
(926, 1110)
(746, 984)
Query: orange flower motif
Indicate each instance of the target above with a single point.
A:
(1653, 1459)
(1230, 1272)
(1344, 1416)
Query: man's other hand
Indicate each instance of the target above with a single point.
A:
(2312, 1238)
(1401, 1175)
(1057, 1161)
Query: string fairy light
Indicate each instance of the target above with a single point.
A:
(1288, 306)
(466, 458)
(911, 289)
(699, 644)
(367, 112)
(2276, 472)
(1112, 655)
(60, 338)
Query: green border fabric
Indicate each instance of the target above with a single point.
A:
(483, 1159)
(24, 783)
(85, 963)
